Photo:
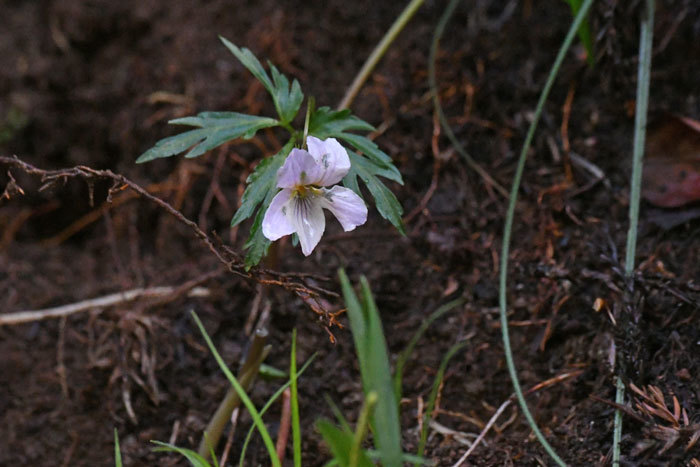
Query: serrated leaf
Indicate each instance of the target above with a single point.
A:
(246, 57)
(215, 128)
(325, 123)
(385, 201)
(340, 443)
(372, 151)
(257, 244)
(260, 183)
(287, 99)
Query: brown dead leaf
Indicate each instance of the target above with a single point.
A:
(672, 163)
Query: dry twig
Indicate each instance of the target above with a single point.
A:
(228, 257)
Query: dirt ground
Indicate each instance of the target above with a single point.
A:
(94, 83)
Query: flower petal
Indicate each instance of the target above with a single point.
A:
(346, 206)
(276, 223)
(306, 216)
(300, 168)
(332, 159)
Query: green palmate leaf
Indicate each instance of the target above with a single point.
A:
(287, 99)
(246, 57)
(215, 129)
(374, 367)
(195, 459)
(326, 123)
(387, 204)
(262, 187)
(340, 443)
(376, 155)
(257, 245)
(260, 183)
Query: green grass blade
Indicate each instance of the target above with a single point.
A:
(195, 459)
(386, 413)
(508, 229)
(357, 324)
(296, 426)
(338, 414)
(340, 443)
(361, 428)
(406, 353)
(584, 32)
(268, 404)
(254, 414)
(433, 396)
(374, 366)
(117, 451)
(387, 429)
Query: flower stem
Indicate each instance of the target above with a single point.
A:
(379, 52)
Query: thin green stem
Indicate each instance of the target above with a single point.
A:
(432, 82)
(268, 404)
(361, 429)
(287, 126)
(507, 231)
(254, 414)
(379, 52)
(646, 37)
(246, 376)
(428, 416)
(296, 426)
(640, 123)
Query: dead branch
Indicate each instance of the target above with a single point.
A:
(228, 257)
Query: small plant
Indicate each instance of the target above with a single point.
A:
(288, 191)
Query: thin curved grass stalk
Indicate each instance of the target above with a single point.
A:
(646, 37)
(439, 30)
(408, 350)
(507, 230)
(379, 52)
(433, 397)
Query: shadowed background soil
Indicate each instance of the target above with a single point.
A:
(95, 82)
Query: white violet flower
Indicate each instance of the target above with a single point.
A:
(298, 207)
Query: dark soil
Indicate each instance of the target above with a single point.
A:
(94, 83)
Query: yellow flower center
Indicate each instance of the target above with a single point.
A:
(303, 191)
